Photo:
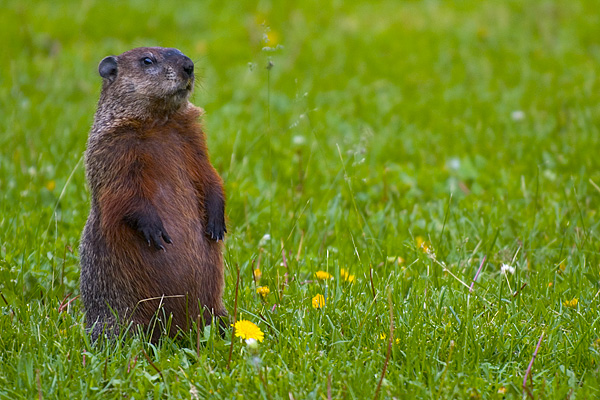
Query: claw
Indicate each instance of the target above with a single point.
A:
(167, 238)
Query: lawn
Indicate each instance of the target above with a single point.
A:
(444, 154)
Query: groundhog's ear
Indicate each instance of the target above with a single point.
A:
(108, 68)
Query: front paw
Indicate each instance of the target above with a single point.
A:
(215, 229)
(153, 235)
(152, 230)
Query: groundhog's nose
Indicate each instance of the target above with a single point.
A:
(188, 67)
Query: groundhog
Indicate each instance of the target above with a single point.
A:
(152, 245)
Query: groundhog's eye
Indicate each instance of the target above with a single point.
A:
(147, 61)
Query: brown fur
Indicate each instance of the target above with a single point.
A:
(151, 183)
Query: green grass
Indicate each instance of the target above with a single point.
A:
(377, 124)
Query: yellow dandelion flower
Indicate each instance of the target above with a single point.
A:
(272, 38)
(323, 275)
(346, 275)
(382, 336)
(50, 185)
(395, 259)
(257, 274)
(397, 341)
(422, 244)
(248, 330)
(318, 301)
(571, 303)
(420, 241)
(502, 390)
(263, 290)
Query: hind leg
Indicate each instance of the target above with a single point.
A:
(98, 327)
(220, 318)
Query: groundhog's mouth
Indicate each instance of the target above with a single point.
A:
(184, 91)
(185, 88)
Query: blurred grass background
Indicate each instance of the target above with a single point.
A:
(472, 125)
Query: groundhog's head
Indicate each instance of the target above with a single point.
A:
(147, 80)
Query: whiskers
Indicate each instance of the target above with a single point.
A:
(198, 78)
